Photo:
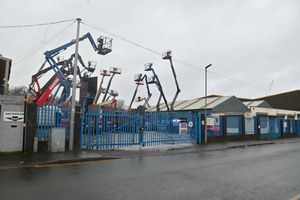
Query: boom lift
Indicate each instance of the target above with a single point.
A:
(101, 90)
(109, 103)
(168, 56)
(155, 80)
(113, 94)
(140, 99)
(113, 71)
(106, 101)
(139, 80)
(85, 72)
(60, 78)
(67, 69)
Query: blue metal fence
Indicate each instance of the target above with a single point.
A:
(286, 127)
(51, 116)
(293, 127)
(298, 128)
(268, 127)
(108, 129)
(169, 127)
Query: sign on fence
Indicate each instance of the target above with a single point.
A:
(13, 116)
(210, 121)
(183, 128)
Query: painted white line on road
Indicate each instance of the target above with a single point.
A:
(297, 197)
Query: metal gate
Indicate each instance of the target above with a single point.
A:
(109, 129)
(169, 128)
(51, 116)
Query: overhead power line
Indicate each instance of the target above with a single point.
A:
(33, 25)
(41, 45)
(120, 37)
(135, 43)
(36, 48)
(159, 53)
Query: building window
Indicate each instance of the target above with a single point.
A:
(233, 125)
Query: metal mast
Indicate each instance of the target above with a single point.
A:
(168, 56)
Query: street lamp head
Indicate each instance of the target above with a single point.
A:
(208, 66)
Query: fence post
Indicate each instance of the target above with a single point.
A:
(243, 125)
(77, 134)
(29, 133)
(298, 127)
(198, 127)
(141, 128)
(82, 128)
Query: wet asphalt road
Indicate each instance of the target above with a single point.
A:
(264, 172)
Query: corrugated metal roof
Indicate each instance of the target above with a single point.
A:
(286, 100)
(218, 101)
(194, 104)
(187, 103)
(253, 103)
(200, 104)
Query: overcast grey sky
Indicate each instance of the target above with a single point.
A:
(249, 43)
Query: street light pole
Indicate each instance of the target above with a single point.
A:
(72, 123)
(205, 109)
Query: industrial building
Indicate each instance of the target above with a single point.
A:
(228, 118)
(220, 105)
(286, 100)
(225, 115)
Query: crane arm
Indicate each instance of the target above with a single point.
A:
(133, 97)
(148, 91)
(102, 48)
(144, 78)
(107, 88)
(177, 85)
(147, 84)
(50, 53)
(98, 91)
(60, 77)
(162, 94)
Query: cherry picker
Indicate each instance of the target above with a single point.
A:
(40, 94)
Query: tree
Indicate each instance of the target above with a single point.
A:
(18, 91)
(121, 105)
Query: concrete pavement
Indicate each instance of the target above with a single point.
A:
(47, 159)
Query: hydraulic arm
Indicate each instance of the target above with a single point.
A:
(168, 56)
(155, 80)
(139, 80)
(60, 78)
(103, 73)
(113, 71)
